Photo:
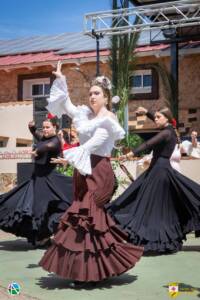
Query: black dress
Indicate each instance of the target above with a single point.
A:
(162, 205)
(33, 208)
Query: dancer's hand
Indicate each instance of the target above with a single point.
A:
(58, 73)
(141, 110)
(127, 156)
(122, 158)
(34, 153)
(31, 124)
(58, 160)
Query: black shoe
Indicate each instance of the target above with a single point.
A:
(171, 251)
(77, 284)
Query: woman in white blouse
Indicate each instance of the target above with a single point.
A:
(88, 246)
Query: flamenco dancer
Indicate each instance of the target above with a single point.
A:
(162, 205)
(32, 209)
(175, 158)
(88, 246)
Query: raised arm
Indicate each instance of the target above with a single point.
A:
(164, 135)
(59, 102)
(194, 139)
(143, 111)
(34, 131)
(150, 115)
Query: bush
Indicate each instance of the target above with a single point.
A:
(65, 170)
(132, 140)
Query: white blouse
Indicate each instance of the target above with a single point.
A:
(176, 158)
(97, 135)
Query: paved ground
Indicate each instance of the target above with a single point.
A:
(149, 280)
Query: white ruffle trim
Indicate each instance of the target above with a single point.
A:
(79, 158)
(58, 96)
(111, 125)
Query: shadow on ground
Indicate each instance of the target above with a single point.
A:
(191, 248)
(15, 245)
(33, 266)
(53, 282)
(185, 248)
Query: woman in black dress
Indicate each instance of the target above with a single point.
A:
(33, 208)
(162, 205)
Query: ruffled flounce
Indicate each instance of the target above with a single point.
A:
(79, 158)
(89, 246)
(158, 209)
(109, 123)
(167, 239)
(33, 209)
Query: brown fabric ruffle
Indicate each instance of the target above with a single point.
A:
(88, 245)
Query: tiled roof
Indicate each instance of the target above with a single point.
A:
(67, 46)
(61, 43)
(20, 59)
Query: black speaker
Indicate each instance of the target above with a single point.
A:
(39, 110)
(24, 171)
(66, 122)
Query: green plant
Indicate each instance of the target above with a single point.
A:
(122, 61)
(170, 88)
(65, 170)
(132, 140)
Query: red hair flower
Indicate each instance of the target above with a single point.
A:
(173, 122)
(50, 116)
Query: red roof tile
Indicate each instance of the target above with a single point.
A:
(42, 57)
(23, 59)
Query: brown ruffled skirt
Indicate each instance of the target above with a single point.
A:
(88, 245)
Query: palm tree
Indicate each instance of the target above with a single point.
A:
(170, 87)
(122, 61)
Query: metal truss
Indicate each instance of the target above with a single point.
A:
(176, 14)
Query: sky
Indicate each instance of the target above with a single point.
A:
(26, 18)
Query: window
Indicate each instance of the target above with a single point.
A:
(34, 85)
(192, 110)
(35, 88)
(3, 141)
(141, 82)
(144, 83)
(1, 144)
(23, 143)
(42, 89)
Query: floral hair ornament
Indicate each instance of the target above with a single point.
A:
(50, 116)
(115, 99)
(173, 122)
(103, 81)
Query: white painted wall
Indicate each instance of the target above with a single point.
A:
(14, 119)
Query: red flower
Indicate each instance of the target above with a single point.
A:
(50, 116)
(173, 122)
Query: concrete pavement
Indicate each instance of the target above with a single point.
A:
(149, 280)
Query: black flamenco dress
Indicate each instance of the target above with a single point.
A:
(33, 208)
(162, 205)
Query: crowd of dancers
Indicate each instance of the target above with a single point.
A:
(89, 238)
